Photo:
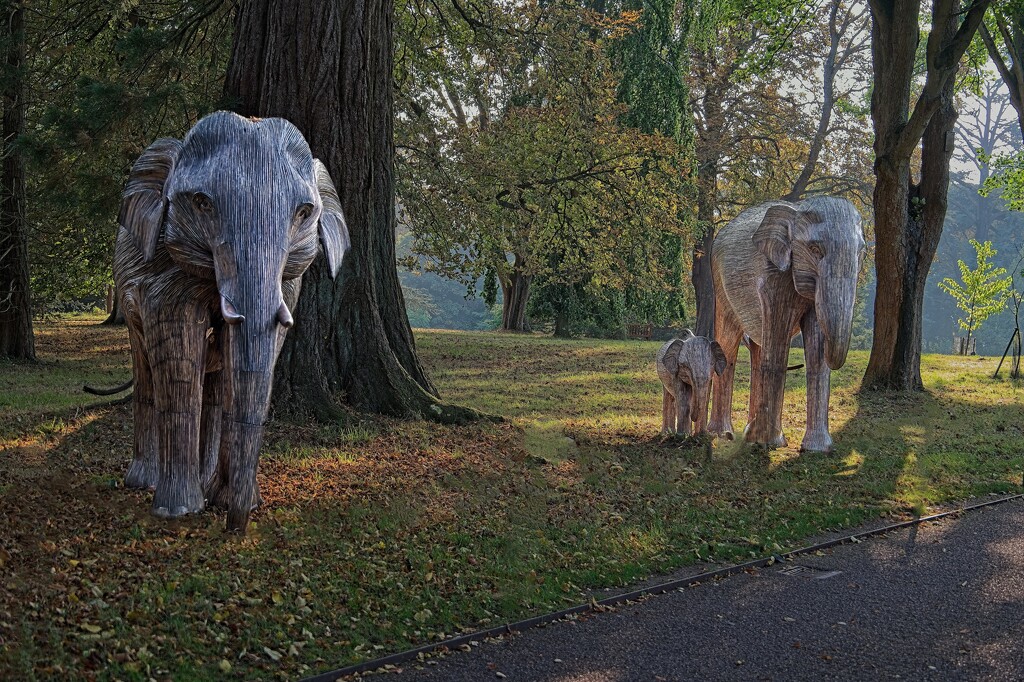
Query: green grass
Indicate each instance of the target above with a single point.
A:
(384, 534)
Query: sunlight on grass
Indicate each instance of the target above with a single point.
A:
(379, 534)
(851, 464)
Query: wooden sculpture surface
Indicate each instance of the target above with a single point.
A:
(216, 231)
(780, 268)
(685, 366)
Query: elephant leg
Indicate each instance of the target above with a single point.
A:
(218, 486)
(699, 414)
(816, 436)
(755, 398)
(177, 342)
(209, 429)
(781, 310)
(684, 394)
(766, 419)
(728, 333)
(144, 471)
(667, 412)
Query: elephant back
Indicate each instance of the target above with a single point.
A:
(659, 360)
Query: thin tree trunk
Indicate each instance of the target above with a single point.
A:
(516, 293)
(562, 330)
(327, 67)
(827, 106)
(116, 315)
(709, 153)
(16, 339)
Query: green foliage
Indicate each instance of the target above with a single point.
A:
(981, 292)
(545, 180)
(105, 81)
(431, 301)
(1007, 178)
(358, 552)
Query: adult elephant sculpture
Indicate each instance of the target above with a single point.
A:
(780, 268)
(216, 231)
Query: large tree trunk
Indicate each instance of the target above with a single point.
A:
(908, 218)
(515, 295)
(326, 65)
(15, 300)
(709, 152)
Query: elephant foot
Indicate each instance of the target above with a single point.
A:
(816, 441)
(721, 429)
(141, 475)
(218, 494)
(755, 435)
(173, 501)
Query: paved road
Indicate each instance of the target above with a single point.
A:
(943, 601)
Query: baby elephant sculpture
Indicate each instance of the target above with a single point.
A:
(216, 231)
(685, 366)
(780, 268)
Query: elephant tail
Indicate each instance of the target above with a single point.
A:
(108, 391)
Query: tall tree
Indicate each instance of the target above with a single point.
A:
(750, 92)
(326, 65)
(983, 134)
(909, 215)
(544, 181)
(16, 339)
(1003, 35)
(848, 33)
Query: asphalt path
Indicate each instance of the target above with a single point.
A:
(939, 601)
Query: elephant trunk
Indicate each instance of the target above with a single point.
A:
(699, 399)
(257, 319)
(833, 306)
(246, 404)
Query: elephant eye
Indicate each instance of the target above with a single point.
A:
(816, 249)
(202, 203)
(302, 215)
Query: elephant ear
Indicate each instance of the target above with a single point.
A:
(143, 204)
(333, 230)
(774, 235)
(671, 358)
(719, 358)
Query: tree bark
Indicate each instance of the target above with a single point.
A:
(16, 339)
(1012, 73)
(116, 315)
(516, 294)
(562, 330)
(327, 67)
(908, 217)
(709, 153)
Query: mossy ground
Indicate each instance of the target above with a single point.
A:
(384, 534)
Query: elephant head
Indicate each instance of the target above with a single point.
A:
(242, 203)
(821, 240)
(690, 360)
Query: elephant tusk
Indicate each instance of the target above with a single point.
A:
(231, 316)
(284, 316)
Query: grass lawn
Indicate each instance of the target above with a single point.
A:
(386, 534)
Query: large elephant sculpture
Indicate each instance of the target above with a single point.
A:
(780, 268)
(685, 367)
(216, 231)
